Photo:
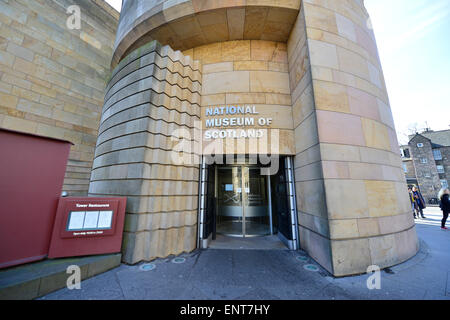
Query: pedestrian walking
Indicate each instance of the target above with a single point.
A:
(444, 205)
(419, 202)
(412, 201)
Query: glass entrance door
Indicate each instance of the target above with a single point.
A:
(255, 202)
(229, 197)
(243, 202)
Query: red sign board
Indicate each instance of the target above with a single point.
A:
(87, 226)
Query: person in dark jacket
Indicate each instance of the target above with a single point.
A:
(412, 201)
(419, 202)
(445, 206)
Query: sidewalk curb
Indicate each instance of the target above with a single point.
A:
(37, 279)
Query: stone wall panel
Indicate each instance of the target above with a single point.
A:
(153, 95)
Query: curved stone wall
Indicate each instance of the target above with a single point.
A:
(184, 24)
(318, 73)
(354, 162)
(248, 72)
(152, 94)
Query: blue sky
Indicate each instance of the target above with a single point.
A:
(413, 38)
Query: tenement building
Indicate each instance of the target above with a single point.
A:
(246, 118)
(426, 162)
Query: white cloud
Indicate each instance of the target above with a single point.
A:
(116, 4)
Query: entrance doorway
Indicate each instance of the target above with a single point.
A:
(237, 202)
(243, 202)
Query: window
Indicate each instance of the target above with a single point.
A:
(405, 168)
(405, 153)
(437, 154)
(420, 145)
(423, 160)
(440, 169)
(444, 184)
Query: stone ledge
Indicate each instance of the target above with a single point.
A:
(36, 279)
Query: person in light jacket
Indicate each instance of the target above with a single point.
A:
(445, 206)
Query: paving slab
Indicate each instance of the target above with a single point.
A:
(40, 278)
(232, 274)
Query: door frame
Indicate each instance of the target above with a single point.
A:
(204, 243)
(244, 197)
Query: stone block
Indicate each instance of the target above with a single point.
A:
(343, 229)
(308, 156)
(376, 134)
(382, 198)
(24, 291)
(365, 171)
(311, 198)
(104, 264)
(7, 100)
(217, 67)
(347, 199)
(317, 246)
(383, 251)
(236, 21)
(385, 114)
(353, 63)
(331, 124)
(270, 82)
(254, 22)
(374, 75)
(245, 98)
(18, 124)
(6, 58)
(320, 18)
(209, 53)
(336, 152)
(368, 227)
(21, 52)
(236, 50)
(395, 224)
(278, 99)
(226, 82)
(363, 104)
(335, 170)
(407, 244)
(279, 67)
(250, 65)
(350, 256)
(306, 134)
(24, 66)
(331, 96)
(346, 27)
(323, 54)
(314, 223)
(322, 73)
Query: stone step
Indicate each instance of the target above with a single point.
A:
(37, 279)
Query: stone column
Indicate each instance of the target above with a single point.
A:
(152, 94)
(352, 199)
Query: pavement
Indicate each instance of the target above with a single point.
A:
(32, 280)
(252, 274)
